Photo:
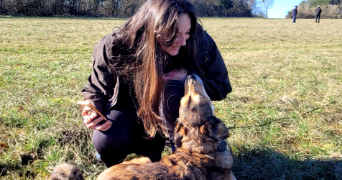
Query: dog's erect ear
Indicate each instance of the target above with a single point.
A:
(180, 131)
(209, 129)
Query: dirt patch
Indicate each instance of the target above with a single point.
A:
(28, 158)
(245, 99)
(73, 137)
(332, 117)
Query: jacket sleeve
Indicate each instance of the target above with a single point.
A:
(101, 82)
(215, 74)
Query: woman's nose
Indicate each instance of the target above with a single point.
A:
(182, 40)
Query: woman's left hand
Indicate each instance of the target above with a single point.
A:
(177, 74)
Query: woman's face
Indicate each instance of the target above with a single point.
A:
(184, 25)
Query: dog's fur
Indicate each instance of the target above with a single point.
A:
(201, 141)
(66, 171)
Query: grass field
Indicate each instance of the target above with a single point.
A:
(284, 114)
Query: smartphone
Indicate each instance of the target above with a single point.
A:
(86, 103)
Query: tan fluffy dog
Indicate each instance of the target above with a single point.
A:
(201, 141)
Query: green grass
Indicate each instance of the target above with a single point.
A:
(284, 114)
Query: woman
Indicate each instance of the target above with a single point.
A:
(138, 79)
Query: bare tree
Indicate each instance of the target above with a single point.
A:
(265, 5)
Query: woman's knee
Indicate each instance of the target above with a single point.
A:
(107, 143)
(121, 136)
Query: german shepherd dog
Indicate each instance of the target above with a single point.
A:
(201, 141)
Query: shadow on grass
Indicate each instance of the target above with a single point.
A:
(19, 169)
(25, 168)
(248, 164)
(26, 159)
(267, 164)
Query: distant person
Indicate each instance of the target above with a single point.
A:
(294, 14)
(318, 12)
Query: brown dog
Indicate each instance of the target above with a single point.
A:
(201, 141)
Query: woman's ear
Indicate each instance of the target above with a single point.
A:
(159, 40)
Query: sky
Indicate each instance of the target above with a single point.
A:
(282, 7)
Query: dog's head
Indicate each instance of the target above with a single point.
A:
(197, 129)
(66, 171)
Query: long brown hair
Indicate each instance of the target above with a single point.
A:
(145, 59)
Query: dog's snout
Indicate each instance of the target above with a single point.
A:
(191, 79)
(193, 76)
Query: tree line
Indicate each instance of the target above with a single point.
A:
(331, 9)
(120, 8)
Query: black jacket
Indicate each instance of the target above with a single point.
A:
(294, 12)
(318, 11)
(105, 90)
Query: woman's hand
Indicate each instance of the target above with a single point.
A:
(177, 74)
(91, 119)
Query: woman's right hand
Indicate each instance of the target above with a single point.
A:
(177, 74)
(91, 119)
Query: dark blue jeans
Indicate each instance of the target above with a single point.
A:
(127, 135)
(294, 19)
(318, 17)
